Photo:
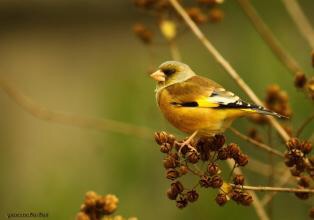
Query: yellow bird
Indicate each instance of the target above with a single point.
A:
(197, 105)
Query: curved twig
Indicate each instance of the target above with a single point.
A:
(223, 62)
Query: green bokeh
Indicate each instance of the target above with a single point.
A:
(82, 57)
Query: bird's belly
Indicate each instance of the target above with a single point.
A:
(189, 119)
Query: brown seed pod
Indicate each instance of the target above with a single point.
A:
(304, 181)
(165, 148)
(223, 154)
(212, 169)
(246, 199)
(177, 187)
(169, 162)
(192, 156)
(182, 202)
(205, 181)
(306, 147)
(197, 15)
(172, 174)
(242, 160)
(233, 150)
(161, 137)
(183, 170)
(216, 15)
(293, 143)
(82, 216)
(172, 195)
(238, 179)
(221, 199)
(216, 181)
(91, 198)
(192, 196)
(300, 80)
(302, 195)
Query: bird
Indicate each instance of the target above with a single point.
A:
(197, 105)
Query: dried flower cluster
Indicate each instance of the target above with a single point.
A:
(302, 82)
(276, 100)
(97, 207)
(182, 159)
(202, 12)
(301, 166)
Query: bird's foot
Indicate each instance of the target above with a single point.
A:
(187, 143)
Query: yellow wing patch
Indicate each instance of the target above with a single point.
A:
(205, 103)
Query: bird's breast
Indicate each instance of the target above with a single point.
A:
(190, 119)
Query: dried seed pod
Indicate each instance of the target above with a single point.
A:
(216, 15)
(183, 170)
(216, 181)
(91, 198)
(246, 199)
(161, 137)
(238, 179)
(182, 202)
(172, 174)
(169, 162)
(306, 147)
(177, 187)
(293, 143)
(223, 154)
(295, 172)
(304, 181)
(165, 148)
(172, 195)
(233, 150)
(212, 169)
(300, 80)
(205, 181)
(221, 199)
(82, 216)
(218, 142)
(192, 156)
(302, 195)
(192, 196)
(110, 203)
(197, 15)
(242, 160)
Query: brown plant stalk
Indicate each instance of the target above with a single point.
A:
(100, 124)
(223, 62)
(274, 189)
(258, 144)
(269, 38)
(301, 21)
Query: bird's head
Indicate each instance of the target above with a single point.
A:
(171, 72)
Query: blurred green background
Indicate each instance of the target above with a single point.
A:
(82, 57)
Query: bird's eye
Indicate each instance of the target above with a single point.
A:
(169, 71)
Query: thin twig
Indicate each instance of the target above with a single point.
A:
(258, 144)
(100, 124)
(223, 62)
(269, 37)
(273, 189)
(300, 20)
(260, 211)
(304, 124)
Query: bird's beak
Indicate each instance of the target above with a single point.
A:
(159, 76)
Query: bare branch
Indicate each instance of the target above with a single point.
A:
(269, 37)
(258, 144)
(223, 62)
(300, 20)
(100, 124)
(274, 189)
(304, 124)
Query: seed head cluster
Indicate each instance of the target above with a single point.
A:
(97, 207)
(201, 12)
(300, 164)
(201, 159)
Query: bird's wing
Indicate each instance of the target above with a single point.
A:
(204, 93)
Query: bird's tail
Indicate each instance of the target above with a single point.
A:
(261, 110)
